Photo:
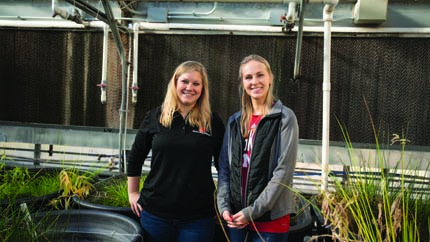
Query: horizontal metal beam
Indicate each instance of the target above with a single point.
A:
(82, 136)
(103, 137)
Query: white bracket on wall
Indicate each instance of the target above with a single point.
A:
(370, 11)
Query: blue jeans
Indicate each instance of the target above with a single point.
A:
(245, 235)
(158, 229)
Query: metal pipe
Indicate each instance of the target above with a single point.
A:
(128, 93)
(53, 5)
(299, 41)
(125, 6)
(406, 32)
(48, 24)
(325, 150)
(171, 27)
(211, 27)
(291, 14)
(135, 86)
(120, 47)
(194, 12)
(331, 2)
(39, 22)
(289, 18)
(89, 9)
(103, 83)
(64, 14)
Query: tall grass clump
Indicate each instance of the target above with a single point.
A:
(23, 190)
(112, 192)
(23, 183)
(15, 224)
(375, 202)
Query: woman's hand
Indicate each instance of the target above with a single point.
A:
(237, 221)
(135, 207)
(226, 215)
(133, 194)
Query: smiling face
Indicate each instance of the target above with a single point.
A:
(256, 80)
(189, 88)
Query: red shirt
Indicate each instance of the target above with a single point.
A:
(280, 225)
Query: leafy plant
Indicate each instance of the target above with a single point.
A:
(73, 182)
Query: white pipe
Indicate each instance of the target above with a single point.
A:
(54, 23)
(291, 14)
(41, 24)
(103, 82)
(135, 86)
(51, 23)
(126, 103)
(326, 87)
(365, 30)
(171, 27)
(53, 5)
(211, 27)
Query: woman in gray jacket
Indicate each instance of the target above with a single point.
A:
(257, 160)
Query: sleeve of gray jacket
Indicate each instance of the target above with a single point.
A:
(223, 187)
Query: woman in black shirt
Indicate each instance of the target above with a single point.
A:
(176, 202)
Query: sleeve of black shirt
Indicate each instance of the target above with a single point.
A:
(142, 144)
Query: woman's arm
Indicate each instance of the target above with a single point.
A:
(141, 146)
(223, 186)
(133, 194)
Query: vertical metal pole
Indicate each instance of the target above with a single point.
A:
(124, 63)
(299, 41)
(37, 151)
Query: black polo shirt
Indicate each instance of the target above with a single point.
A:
(180, 183)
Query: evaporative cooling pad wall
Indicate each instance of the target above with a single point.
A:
(52, 77)
(389, 75)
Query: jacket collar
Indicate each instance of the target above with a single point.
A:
(277, 108)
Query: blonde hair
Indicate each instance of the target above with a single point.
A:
(200, 115)
(246, 99)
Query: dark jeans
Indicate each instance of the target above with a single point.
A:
(158, 229)
(244, 235)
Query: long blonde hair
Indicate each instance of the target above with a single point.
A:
(200, 115)
(246, 99)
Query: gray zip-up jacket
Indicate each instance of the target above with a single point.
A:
(272, 164)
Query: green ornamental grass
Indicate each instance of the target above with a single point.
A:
(112, 192)
(20, 182)
(376, 202)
